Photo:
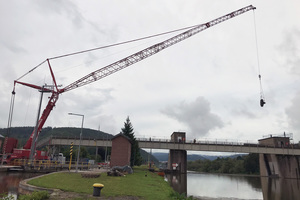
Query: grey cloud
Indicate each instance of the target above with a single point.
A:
(196, 115)
(291, 51)
(243, 111)
(13, 47)
(67, 8)
(91, 100)
(293, 112)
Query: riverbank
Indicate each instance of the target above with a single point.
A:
(142, 184)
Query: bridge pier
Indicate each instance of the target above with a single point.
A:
(283, 166)
(177, 161)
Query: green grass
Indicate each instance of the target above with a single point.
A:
(137, 184)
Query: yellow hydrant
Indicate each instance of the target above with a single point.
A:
(97, 189)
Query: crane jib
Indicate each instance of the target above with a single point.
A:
(121, 64)
(145, 53)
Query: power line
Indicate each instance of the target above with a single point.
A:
(103, 47)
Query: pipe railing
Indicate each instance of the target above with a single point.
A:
(224, 142)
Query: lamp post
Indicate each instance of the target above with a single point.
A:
(79, 138)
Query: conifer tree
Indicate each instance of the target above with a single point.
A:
(135, 158)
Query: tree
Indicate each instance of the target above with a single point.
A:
(251, 163)
(135, 158)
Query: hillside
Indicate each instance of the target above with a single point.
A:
(192, 157)
(23, 133)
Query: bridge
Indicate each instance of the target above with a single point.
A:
(189, 145)
(277, 156)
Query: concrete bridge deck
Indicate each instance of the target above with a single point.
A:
(215, 146)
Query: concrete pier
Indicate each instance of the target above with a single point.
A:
(177, 161)
(283, 166)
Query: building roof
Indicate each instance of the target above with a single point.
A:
(122, 135)
(274, 137)
(179, 133)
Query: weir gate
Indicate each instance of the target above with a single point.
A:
(277, 157)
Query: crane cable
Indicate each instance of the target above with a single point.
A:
(262, 101)
(102, 47)
(11, 110)
(75, 53)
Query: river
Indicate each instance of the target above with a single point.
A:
(202, 186)
(221, 186)
(9, 181)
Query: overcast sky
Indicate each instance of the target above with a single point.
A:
(207, 85)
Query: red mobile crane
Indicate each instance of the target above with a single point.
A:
(106, 71)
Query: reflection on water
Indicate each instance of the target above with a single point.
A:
(206, 186)
(9, 182)
(279, 188)
(213, 186)
(223, 186)
(178, 182)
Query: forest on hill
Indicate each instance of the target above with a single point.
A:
(23, 133)
(247, 164)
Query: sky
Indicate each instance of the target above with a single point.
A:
(206, 85)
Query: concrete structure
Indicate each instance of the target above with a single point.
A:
(120, 151)
(177, 161)
(278, 157)
(205, 145)
(284, 166)
(178, 137)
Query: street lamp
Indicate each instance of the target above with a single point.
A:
(79, 138)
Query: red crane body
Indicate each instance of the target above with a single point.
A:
(119, 65)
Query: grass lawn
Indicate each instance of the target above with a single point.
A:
(137, 184)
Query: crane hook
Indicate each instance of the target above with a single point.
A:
(262, 102)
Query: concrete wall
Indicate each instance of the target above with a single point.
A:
(177, 161)
(178, 137)
(276, 141)
(283, 166)
(178, 157)
(120, 151)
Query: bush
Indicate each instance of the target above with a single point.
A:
(36, 195)
(177, 196)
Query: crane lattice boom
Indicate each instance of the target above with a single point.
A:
(121, 64)
(145, 53)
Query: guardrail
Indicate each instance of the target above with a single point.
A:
(48, 164)
(225, 142)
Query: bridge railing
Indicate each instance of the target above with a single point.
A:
(225, 142)
(200, 141)
(48, 164)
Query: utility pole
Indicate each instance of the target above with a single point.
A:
(79, 138)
